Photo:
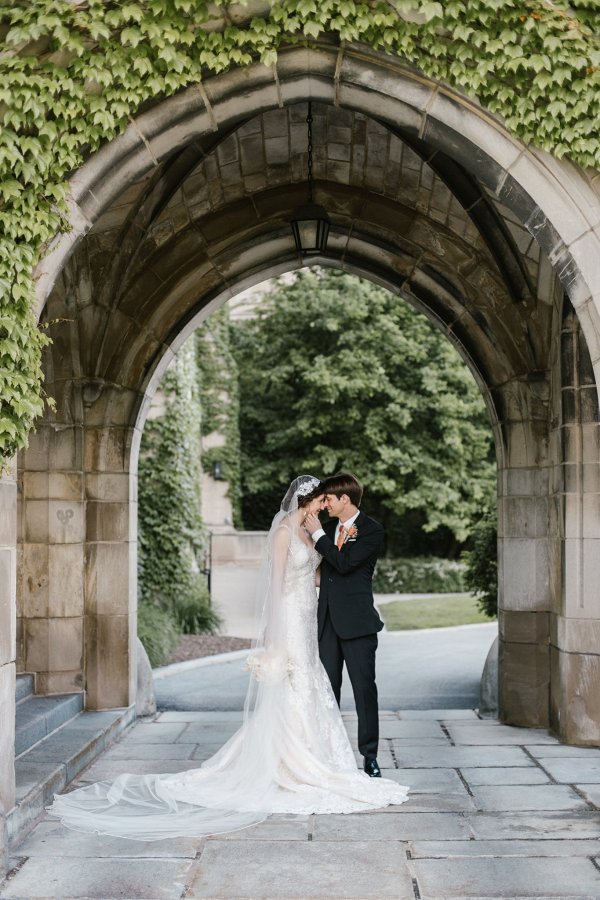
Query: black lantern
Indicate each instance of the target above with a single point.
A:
(310, 223)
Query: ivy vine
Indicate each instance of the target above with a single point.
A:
(73, 73)
(220, 402)
(172, 537)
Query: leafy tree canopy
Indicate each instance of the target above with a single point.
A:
(337, 373)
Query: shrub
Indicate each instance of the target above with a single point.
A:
(158, 631)
(193, 613)
(420, 575)
(481, 574)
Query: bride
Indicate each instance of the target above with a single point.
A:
(291, 754)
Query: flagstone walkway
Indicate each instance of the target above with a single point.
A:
(493, 812)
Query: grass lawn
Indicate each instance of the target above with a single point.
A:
(433, 612)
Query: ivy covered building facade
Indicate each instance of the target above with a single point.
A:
(431, 193)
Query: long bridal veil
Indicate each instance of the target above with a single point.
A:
(236, 787)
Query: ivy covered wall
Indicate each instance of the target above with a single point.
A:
(198, 395)
(73, 74)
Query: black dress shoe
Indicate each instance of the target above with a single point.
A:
(372, 769)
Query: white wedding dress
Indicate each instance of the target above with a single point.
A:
(291, 755)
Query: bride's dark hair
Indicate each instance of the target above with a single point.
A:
(316, 492)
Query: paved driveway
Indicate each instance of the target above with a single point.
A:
(494, 812)
(438, 668)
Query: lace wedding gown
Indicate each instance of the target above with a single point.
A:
(291, 755)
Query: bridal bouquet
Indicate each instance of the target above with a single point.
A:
(269, 667)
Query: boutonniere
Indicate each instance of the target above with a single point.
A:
(350, 533)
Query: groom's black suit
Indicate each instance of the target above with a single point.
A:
(349, 622)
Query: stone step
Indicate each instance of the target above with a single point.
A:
(51, 765)
(37, 717)
(24, 687)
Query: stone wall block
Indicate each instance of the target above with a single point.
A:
(525, 517)
(65, 521)
(576, 709)
(107, 486)
(524, 574)
(591, 515)
(66, 448)
(36, 521)
(7, 736)
(7, 605)
(106, 521)
(106, 449)
(590, 442)
(65, 567)
(110, 661)
(54, 645)
(33, 582)
(107, 579)
(524, 627)
(524, 684)
(59, 682)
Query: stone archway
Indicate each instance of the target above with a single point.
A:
(428, 196)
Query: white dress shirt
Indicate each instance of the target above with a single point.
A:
(347, 524)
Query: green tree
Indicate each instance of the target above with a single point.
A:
(338, 373)
(481, 575)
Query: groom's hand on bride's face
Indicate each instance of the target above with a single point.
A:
(312, 523)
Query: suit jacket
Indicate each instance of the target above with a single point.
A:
(347, 579)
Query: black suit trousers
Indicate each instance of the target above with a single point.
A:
(359, 656)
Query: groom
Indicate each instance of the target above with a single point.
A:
(348, 620)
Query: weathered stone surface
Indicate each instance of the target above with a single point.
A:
(146, 699)
(390, 826)
(427, 780)
(129, 750)
(534, 825)
(522, 797)
(475, 735)
(51, 839)
(275, 828)
(488, 688)
(99, 879)
(569, 878)
(524, 848)
(569, 771)
(526, 775)
(295, 869)
(441, 757)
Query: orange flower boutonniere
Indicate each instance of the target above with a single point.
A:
(350, 533)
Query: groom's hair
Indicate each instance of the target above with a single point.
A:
(344, 483)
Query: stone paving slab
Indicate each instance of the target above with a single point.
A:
(390, 826)
(515, 775)
(131, 750)
(529, 796)
(51, 839)
(443, 715)
(275, 828)
(451, 849)
(570, 771)
(155, 733)
(475, 735)
(518, 878)
(65, 878)
(534, 825)
(301, 871)
(591, 792)
(560, 750)
(439, 803)
(453, 757)
(112, 768)
(184, 715)
(428, 780)
(401, 729)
